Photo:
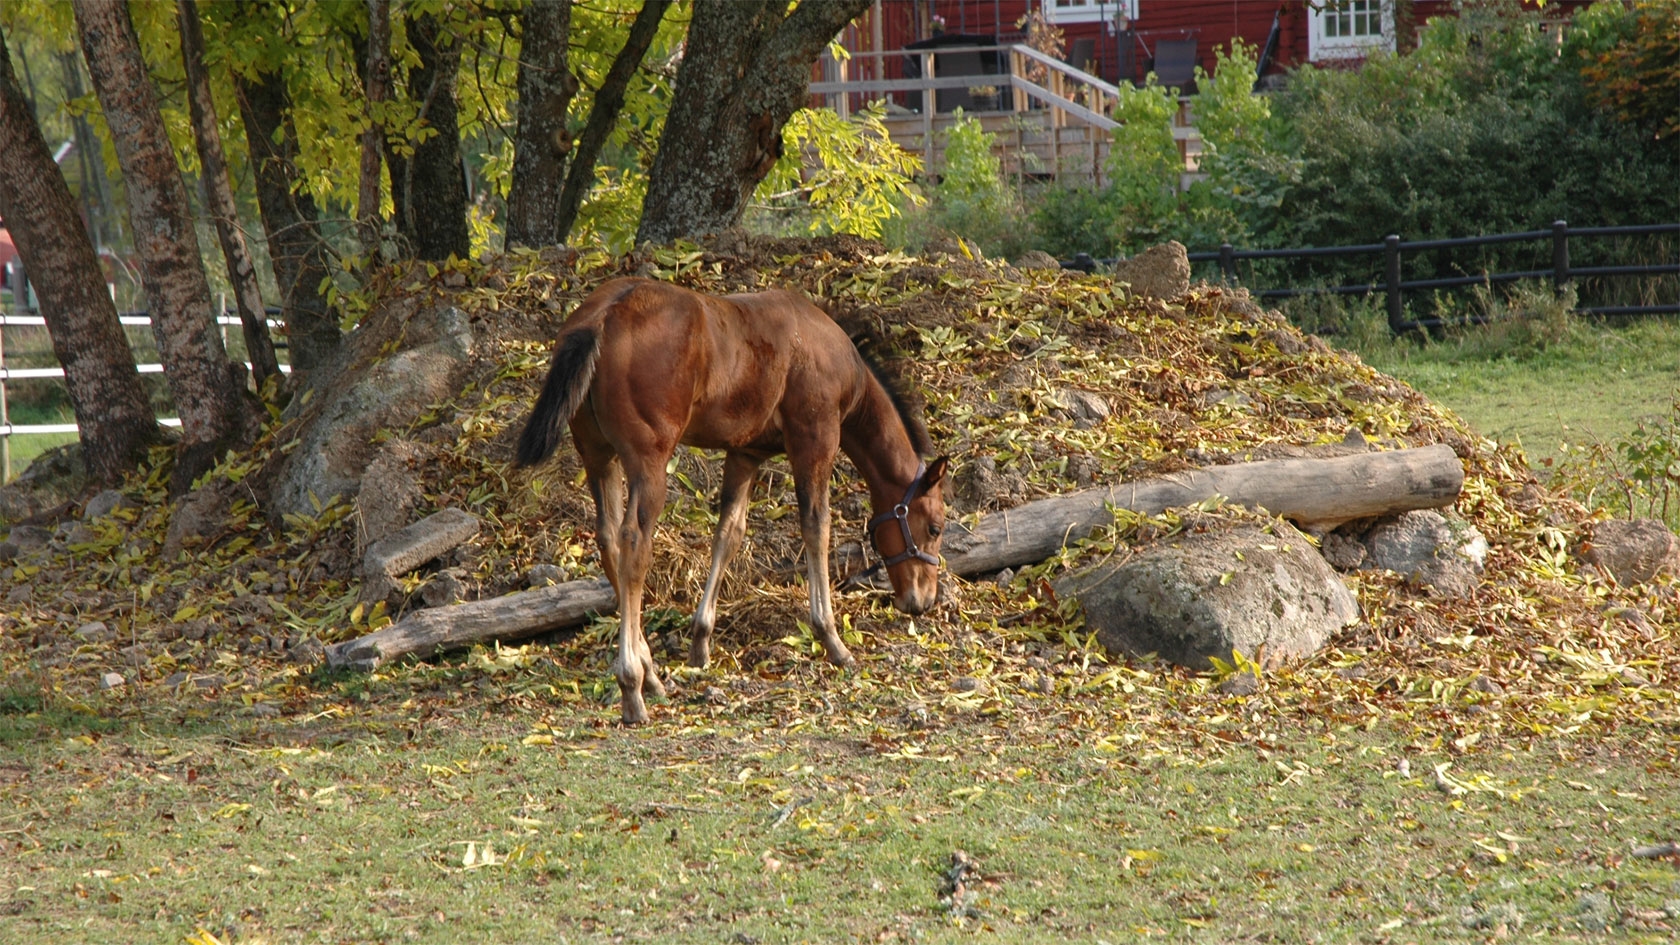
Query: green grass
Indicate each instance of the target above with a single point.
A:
(505, 818)
(1579, 384)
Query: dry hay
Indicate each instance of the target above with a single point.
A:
(1541, 648)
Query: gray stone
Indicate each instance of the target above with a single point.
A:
(104, 504)
(111, 681)
(1244, 683)
(1234, 398)
(542, 575)
(390, 491)
(29, 537)
(199, 515)
(1160, 272)
(1428, 550)
(1631, 552)
(980, 485)
(53, 479)
(380, 391)
(306, 651)
(94, 632)
(1345, 553)
(1262, 593)
(410, 547)
(444, 587)
(1085, 408)
(1037, 259)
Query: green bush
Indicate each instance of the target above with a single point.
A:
(1485, 128)
(971, 200)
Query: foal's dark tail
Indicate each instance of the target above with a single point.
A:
(569, 376)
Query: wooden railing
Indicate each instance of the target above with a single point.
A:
(8, 429)
(1060, 97)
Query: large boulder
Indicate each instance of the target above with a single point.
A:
(1159, 272)
(380, 390)
(50, 482)
(1261, 591)
(1630, 551)
(1444, 556)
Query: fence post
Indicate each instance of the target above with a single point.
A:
(1560, 256)
(1228, 261)
(5, 415)
(1396, 311)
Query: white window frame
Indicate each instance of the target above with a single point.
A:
(1321, 46)
(1088, 11)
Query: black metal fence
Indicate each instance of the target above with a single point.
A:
(1393, 251)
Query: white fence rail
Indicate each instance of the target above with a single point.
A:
(8, 429)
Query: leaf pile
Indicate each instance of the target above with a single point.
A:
(1035, 382)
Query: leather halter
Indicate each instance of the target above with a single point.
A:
(900, 513)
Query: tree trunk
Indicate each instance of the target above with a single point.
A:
(218, 196)
(541, 141)
(609, 101)
(746, 70)
(376, 86)
(1317, 494)
(208, 388)
(112, 411)
(295, 247)
(429, 188)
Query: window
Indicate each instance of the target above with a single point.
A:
(1350, 28)
(1089, 11)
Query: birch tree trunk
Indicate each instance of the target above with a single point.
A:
(208, 388)
(541, 141)
(112, 412)
(745, 72)
(218, 195)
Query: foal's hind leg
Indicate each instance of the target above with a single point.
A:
(739, 472)
(634, 665)
(606, 486)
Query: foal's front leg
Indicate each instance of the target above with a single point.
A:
(811, 489)
(739, 472)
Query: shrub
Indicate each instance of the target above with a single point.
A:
(838, 175)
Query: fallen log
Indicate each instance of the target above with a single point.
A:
(511, 617)
(1315, 494)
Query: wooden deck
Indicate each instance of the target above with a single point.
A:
(1050, 120)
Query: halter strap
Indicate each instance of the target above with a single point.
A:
(900, 512)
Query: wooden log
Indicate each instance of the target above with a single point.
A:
(512, 617)
(1316, 494)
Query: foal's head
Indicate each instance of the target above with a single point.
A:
(906, 537)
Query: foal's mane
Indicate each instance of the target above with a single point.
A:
(884, 363)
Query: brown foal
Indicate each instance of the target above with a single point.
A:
(642, 366)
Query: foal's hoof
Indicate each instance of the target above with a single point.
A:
(636, 714)
(652, 686)
(843, 659)
(699, 655)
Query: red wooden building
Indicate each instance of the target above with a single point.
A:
(1124, 39)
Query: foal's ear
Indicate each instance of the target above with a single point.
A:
(936, 471)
